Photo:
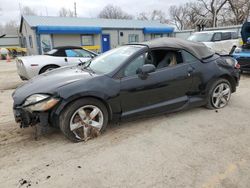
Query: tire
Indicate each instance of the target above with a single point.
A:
(71, 112)
(48, 68)
(214, 91)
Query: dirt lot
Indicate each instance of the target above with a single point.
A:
(195, 148)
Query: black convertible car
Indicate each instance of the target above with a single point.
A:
(158, 76)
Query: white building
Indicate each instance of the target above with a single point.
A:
(40, 34)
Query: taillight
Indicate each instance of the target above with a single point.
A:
(237, 65)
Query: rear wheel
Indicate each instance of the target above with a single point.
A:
(48, 68)
(219, 94)
(84, 119)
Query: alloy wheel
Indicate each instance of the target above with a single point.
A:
(221, 95)
(85, 119)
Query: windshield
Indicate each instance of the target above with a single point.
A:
(201, 37)
(112, 59)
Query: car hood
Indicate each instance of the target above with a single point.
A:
(50, 82)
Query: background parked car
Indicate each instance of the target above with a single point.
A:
(30, 66)
(220, 41)
(242, 54)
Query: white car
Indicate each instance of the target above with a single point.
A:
(31, 66)
(220, 41)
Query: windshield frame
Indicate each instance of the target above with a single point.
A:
(114, 72)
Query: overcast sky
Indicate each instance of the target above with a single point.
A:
(85, 8)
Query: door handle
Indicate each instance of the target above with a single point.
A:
(190, 70)
(65, 59)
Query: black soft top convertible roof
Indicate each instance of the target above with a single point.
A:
(198, 49)
(67, 47)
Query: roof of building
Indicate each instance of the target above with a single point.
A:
(34, 21)
(45, 22)
(9, 40)
(197, 49)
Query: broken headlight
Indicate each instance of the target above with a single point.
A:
(40, 102)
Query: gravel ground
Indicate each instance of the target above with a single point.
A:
(194, 148)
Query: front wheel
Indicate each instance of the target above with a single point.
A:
(83, 119)
(219, 94)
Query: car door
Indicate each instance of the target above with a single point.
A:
(226, 44)
(216, 41)
(163, 89)
(75, 56)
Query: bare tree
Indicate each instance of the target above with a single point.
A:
(157, 15)
(10, 28)
(240, 9)
(143, 16)
(213, 7)
(1, 29)
(63, 12)
(178, 15)
(114, 12)
(28, 11)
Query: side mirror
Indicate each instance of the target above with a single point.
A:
(145, 70)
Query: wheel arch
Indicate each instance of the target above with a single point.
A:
(229, 78)
(55, 65)
(63, 105)
(231, 81)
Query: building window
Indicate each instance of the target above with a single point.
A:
(87, 40)
(133, 38)
(155, 36)
(46, 43)
(24, 42)
(30, 41)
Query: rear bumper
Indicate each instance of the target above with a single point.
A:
(21, 70)
(26, 119)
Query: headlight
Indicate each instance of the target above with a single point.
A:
(40, 102)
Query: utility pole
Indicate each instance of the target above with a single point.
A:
(75, 9)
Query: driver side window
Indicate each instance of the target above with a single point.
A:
(132, 68)
(217, 37)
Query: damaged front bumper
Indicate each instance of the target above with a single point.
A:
(25, 118)
(35, 109)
